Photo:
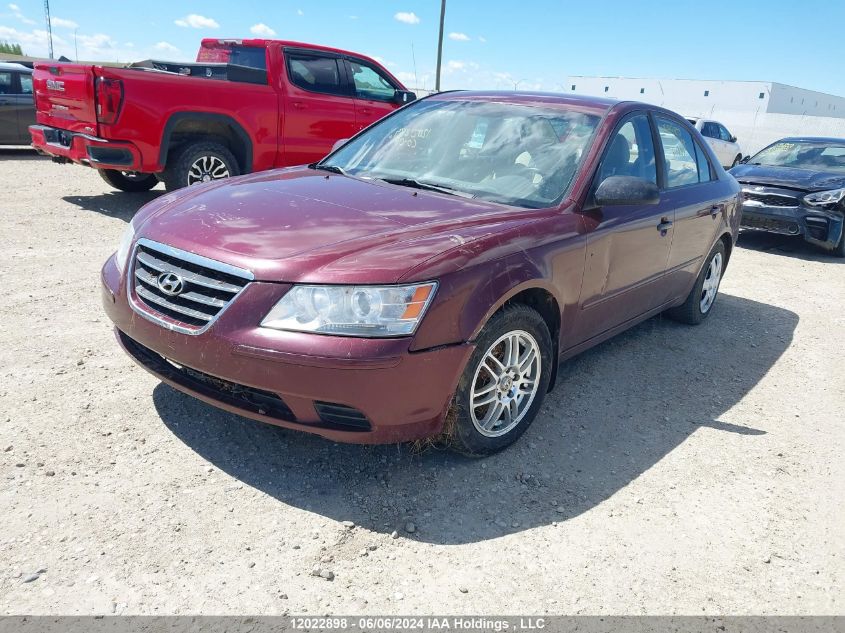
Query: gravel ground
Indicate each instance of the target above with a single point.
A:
(673, 470)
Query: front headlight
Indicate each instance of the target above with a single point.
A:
(820, 198)
(123, 247)
(352, 310)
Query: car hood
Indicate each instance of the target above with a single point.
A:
(803, 179)
(302, 225)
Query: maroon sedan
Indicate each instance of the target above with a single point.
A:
(438, 266)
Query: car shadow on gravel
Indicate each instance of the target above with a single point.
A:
(20, 152)
(792, 246)
(115, 204)
(617, 410)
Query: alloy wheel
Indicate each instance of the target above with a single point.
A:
(505, 383)
(206, 169)
(711, 283)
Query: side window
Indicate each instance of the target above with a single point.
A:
(678, 152)
(705, 174)
(317, 74)
(369, 83)
(26, 83)
(709, 130)
(5, 83)
(631, 151)
(726, 136)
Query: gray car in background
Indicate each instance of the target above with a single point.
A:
(17, 106)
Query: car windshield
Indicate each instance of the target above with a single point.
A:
(812, 155)
(519, 155)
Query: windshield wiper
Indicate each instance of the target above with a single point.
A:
(427, 186)
(332, 168)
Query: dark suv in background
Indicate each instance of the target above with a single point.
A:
(17, 108)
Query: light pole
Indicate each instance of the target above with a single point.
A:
(75, 47)
(516, 84)
(440, 44)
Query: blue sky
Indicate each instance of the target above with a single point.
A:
(489, 43)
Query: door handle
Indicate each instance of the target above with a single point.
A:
(714, 210)
(299, 105)
(664, 226)
(366, 111)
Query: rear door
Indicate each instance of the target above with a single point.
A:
(25, 107)
(374, 92)
(318, 108)
(710, 131)
(691, 188)
(8, 109)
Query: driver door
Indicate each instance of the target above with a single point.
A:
(627, 245)
(374, 93)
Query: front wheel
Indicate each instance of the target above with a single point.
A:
(197, 163)
(504, 383)
(699, 302)
(131, 181)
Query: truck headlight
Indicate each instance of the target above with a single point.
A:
(821, 198)
(369, 311)
(123, 247)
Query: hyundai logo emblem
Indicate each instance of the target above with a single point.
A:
(170, 284)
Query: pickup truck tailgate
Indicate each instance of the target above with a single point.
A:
(64, 97)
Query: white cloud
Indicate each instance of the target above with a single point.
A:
(407, 18)
(482, 39)
(299, 12)
(14, 8)
(459, 37)
(20, 16)
(353, 17)
(96, 43)
(195, 21)
(61, 22)
(167, 47)
(33, 42)
(262, 29)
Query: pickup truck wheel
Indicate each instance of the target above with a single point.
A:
(699, 302)
(503, 385)
(131, 181)
(198, 163)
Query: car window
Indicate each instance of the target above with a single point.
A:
(724, 134)
(678, 153)
(709, 130)
(369, 83)
(631, 151)
(26, 83)
(317, 74)
(705, 173)
(5, 83)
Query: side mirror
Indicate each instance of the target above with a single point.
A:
(733, 139)
(618, 190)
(404, 96)
(338, 144)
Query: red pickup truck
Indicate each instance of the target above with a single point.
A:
(244, 106)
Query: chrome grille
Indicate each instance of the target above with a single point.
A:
(207, 286)
(771, 199)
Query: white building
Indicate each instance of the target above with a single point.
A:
(756, 112)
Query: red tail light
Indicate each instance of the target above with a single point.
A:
(109, 99)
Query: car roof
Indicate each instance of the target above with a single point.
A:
(813, 139)
(12, 66)
(597, 105)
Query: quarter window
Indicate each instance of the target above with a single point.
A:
(317, 74)
(371, 84)
(705, 174)
(631, 151)
(5, 83)
(26, 84)
(678, 152)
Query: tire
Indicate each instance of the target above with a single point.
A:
(736, 160)
(199, 162)
(517, 322)
(699, 305)
(131, 181)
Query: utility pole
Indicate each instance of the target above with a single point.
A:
(49, 27)
(75, 47)
(439, 44)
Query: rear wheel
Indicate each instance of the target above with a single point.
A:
(504, 383)
(131, 181)
(701, 298)
(197, 163)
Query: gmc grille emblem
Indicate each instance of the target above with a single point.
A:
(55, 84)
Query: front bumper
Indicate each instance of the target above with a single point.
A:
(816, 225)
(371, 391)
(84, 149)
